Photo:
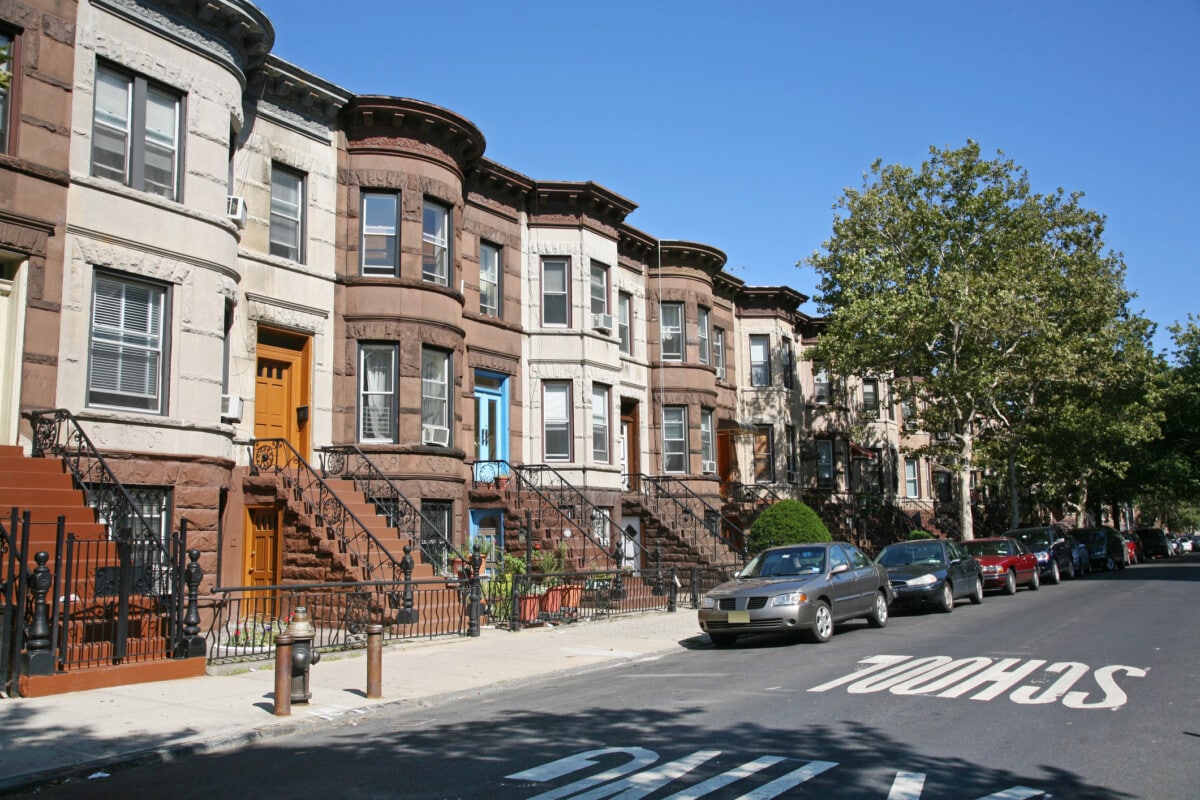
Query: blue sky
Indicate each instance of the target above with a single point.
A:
(739, 125)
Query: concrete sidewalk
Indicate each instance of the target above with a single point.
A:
(49, 738)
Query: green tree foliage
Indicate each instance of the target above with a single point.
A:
(975, 294)
(787, 522)
(919, 534)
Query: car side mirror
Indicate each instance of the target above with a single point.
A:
(839, 568)
(1060, 541)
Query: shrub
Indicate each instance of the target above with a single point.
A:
(920, 534)
(787, 522)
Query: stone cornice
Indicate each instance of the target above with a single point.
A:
(691, 255)
(403, 126)
(498, 182)
(782, 298)
(570, 202)
(289, 87)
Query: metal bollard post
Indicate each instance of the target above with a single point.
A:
(283, 675)
(374, 662)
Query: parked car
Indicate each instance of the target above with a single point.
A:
(1005, 563)
(1185, 544)
(1050, 546)
(1173, 541)
(1105, 546)
(1140, 554)
(931, 572)
(1131, 548)
(802, 587)
(1155, 543)
(1080, 558)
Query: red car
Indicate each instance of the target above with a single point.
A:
(1006, 563)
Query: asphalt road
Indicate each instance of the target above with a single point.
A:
(1088, 689)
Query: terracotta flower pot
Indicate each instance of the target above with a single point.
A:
(552, 600)
(530, 605)
(572, 595)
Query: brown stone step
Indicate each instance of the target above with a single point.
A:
(18, 464)
(30, 496)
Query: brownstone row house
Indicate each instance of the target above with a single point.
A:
(257, 293)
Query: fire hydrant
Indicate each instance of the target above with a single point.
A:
(304, 655)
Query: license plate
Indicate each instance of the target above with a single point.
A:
(739, 617)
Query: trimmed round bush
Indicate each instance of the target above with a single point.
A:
(787, 522)
(920, 534)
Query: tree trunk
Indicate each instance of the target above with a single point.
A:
(966, 519)
(1015, 501)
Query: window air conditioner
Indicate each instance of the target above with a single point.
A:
(942, 436)
(231, 407)
(602, 322)
(708, 466)
(435, 434)
(910, 426)
(235, 209)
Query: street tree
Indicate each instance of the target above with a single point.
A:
(975, 294)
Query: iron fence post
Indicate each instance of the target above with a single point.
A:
(193, 644)
(673, 592)
(38, 658)
(659, 590)
(407, 615)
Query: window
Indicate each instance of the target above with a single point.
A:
(674, 439)
(702, 336)
(490, 270)
(555, 301)
(789, 365)
(435, 252)
(908, 415)
(152, 569)
(435, 397)
(556, 421)
(821, 391)
(764, 454)
(870, 391)
(869, 472)
(671, 331)
(912, 487)
(380, 224)
(760, 360)
(437, 528)
(708, 458)
(7, 45)
(624, 314)
(599, 288)
(377, 393)
(793, 459)
(945, 490)
(600, 412)
(718, 346)
(128, 349)
(135, 133)
(824, 464)
(287, 222)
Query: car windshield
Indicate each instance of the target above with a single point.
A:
(994, 547)
(899, 555)
(1036, 540)
(1093, 537)
(791, 561)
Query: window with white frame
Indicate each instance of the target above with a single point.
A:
(128, 351)
(377, 401)
(556, 420)
(912, 486)
(821, 391)
(599, 285)
(600, 424)
(702, 334)
(556, 307)
(287, 220)
(718, 348)
(908, 415)
(708, 455)
(789, 364)
(870, 392)
(671, 331)
(435, 243)
(380, 233)
(764, 454)
(7, 73)
(490, 270)
(136, 132)
(760, 360)
(435, 397)
(624, 316)
(824, 463)
(674, 435)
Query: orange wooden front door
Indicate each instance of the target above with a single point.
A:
(279, 391)
(263, 559)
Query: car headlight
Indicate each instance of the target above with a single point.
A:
(1043, 556)
(789, 599)
(922, 580)
(993, 568)
(708, 602)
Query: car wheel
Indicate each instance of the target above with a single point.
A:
(1055, 576)
(723, 641)
(1109, 564)
(1036, 583)
(977, 595)
(822, 629)
(879, 615)
(1010, 582)
(946, 603)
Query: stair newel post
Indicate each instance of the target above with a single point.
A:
(617, 592)
(659, 590)
(673, 591)
(528, 542)
(193, 644)
(476, 597)
(38, 658)
(407, 615)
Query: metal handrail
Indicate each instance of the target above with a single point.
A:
(279, 455)
(750, 492)
(565, 487)
(655, 489)
(402, 514)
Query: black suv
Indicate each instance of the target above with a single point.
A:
(1052, 549)
(1154, 542)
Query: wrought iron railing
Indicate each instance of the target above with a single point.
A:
(759, 493)
(568, 505)
(14, 595)
(711, 533)
(568, 498)
(351, 463)
(328, 510)
(58, 432)
(516, 601)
